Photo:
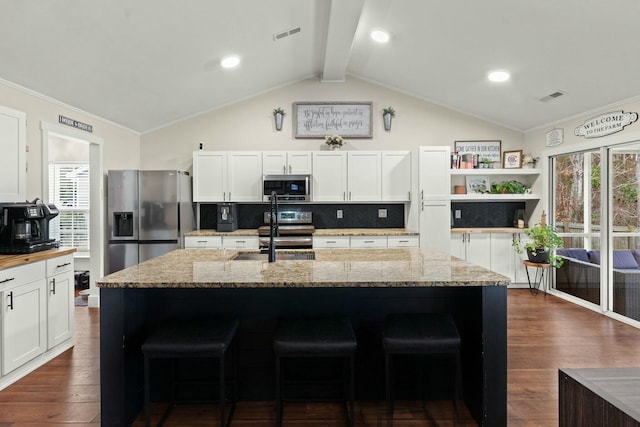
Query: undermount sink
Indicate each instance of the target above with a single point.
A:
(280, 256)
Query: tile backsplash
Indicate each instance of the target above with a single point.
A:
(494, 214)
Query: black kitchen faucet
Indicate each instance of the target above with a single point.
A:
(273, 224)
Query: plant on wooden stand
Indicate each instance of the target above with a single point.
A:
(542, 244)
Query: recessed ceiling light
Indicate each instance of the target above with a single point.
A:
(230, 61)
(499, 76)
(380, 36)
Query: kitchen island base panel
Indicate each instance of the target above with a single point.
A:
(127, 314)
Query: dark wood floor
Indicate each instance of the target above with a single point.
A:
(545, 333)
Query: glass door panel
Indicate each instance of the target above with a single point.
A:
(576, 216)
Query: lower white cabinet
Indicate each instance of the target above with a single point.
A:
(360, 242)
(490, 250)
(37, 315)
(60, 307)
(240, 242)
(221, 242)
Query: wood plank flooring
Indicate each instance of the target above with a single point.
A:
(545, 333)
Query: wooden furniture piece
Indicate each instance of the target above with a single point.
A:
(539, 278)
(315, 337)
(191, 338)
(599, 397)
(420, 334)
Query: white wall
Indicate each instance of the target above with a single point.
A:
(248, 125)
(121, 146)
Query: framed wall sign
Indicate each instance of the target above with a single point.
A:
(484, 149)
(347, 119)
(512, 159)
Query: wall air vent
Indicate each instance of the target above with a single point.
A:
(286, 33)
(552, 96)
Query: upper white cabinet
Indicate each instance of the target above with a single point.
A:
(435, 181)
(286, 162)
(220, 176)
(396, 176)
(526, 176)
(364, 176)
(329, 176)
(13, 160)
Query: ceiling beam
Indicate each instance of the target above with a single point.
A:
(344, 16)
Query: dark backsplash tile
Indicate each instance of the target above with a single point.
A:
(493, 214)
(324, 216)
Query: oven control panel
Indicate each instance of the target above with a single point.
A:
(291, 217)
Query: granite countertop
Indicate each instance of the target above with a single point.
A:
(487, 230)
(8, 261)
(318, 232)
(211, 268)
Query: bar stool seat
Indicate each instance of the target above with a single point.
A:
(315, 337)
(420, 334)
(192, 338)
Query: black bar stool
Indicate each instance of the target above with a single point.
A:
(192, 338)
(420, 334)
(324, 337)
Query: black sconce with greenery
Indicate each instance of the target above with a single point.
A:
(278, 115)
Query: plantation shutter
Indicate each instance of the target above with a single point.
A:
(69, 191)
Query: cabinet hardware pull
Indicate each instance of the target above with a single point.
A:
(344, 195)
(403, 241)
(202, 241)
(331, 241)
(284, 169)
(10, 296)
(349, 195)
(368, 241)
(409, 195)
(53, 286)
(7, 280)
(63, 265)
(289, 168)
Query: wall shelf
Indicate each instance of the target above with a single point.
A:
(493, 197)
(470, 172)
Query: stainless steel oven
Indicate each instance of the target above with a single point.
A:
(289, 188)
(295, 231)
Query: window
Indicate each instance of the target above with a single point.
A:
(69, 191)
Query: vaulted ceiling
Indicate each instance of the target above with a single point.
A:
(146, 63)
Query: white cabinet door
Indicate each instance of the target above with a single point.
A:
(203, 242)
(334, 242)
(435, 179)
(403, 241)
(274, 162)
(458, 245)
(209, 176)
(240, 242)
(329, 176)
(478, 247)
(60, 308)
(13, 173)
(396, 176)
(364, 177)
(299, 163)
(24, 324)
(244, 176)
(358, 242)
(286, 163)
(503, 254)
(435, 228)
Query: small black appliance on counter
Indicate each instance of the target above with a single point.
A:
(227, 217)
(24, 227)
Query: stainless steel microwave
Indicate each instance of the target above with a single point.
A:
(288, 188)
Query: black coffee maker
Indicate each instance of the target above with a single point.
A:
(24, 227)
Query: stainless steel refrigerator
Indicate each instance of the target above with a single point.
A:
(148, 213)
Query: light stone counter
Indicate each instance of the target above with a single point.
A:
(207, 232)
(209, 268)
(487, 230)
(318, 232)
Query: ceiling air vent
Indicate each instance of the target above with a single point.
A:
(286, 33)
(552, 96)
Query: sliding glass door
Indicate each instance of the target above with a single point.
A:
(575, 206)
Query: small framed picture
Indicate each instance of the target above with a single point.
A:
(512, 159)
(478, 184)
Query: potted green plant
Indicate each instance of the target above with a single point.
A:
(509, 187)
(334, 141)
(279, 114)
(387, 114)
(541, 245)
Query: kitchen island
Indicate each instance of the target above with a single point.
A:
(365, 285)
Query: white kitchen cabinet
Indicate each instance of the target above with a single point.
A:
(435, 225)
(434, 177)
(364, 176)
(240, 242)
(13, 173)
(203, 242)
(220, 176)
(403, 241)
(329, 176)
(286, 162)
(396, 176)
(331, 242)
(24, 311)
(359, 242)
(60, 306)
(475, 248)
